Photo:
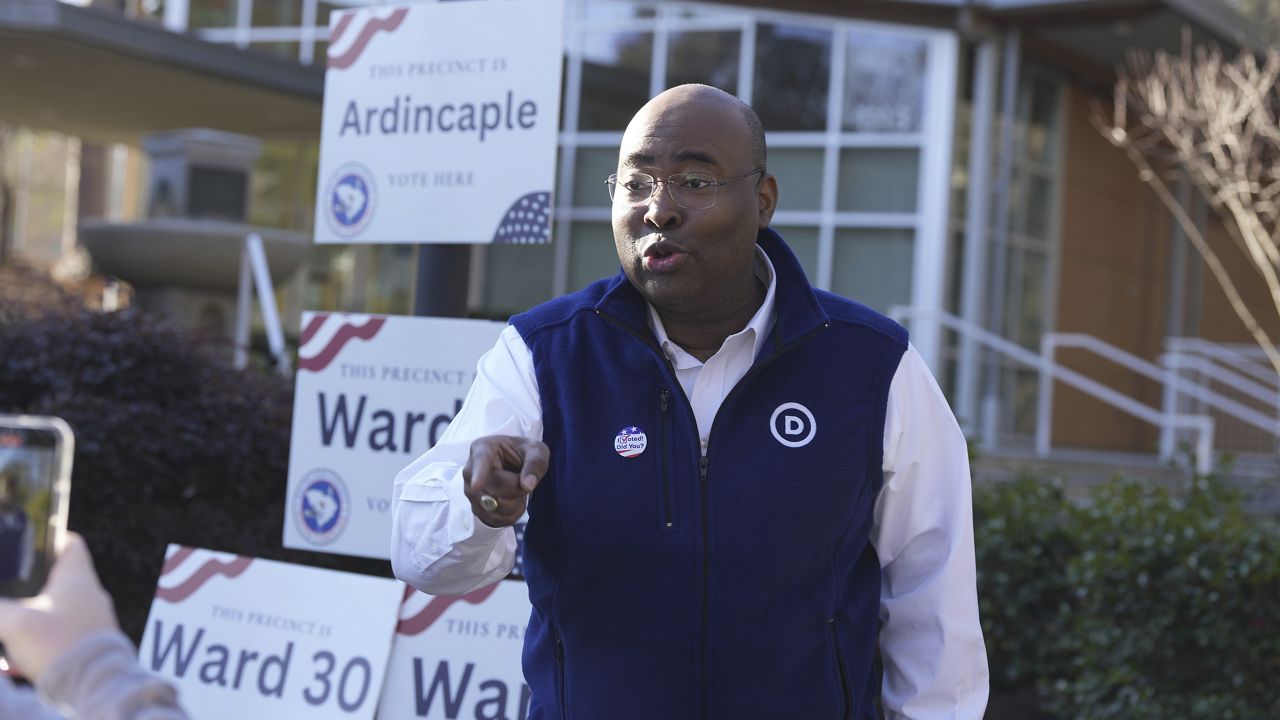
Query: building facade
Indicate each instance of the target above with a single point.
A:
(939, 156)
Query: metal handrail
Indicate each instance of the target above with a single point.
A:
(1050, 370)
(1220, 402)
(1173, 385)
(1242, 363)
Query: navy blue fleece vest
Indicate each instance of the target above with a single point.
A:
(668, 586)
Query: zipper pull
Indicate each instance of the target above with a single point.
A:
(663, 399)
(702, 464)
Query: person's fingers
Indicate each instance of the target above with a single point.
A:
(75, 561)
(496, 466)
(499, 474)
(537, 458)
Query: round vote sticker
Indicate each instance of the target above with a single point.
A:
(630, 442)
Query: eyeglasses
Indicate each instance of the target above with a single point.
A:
(691, 191)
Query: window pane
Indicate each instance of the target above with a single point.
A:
(803, 241)
(1043, 120)
(211, 13)
(799, 173)
(591, 254)
(390, 285)
(710, 58)
(517, 278)
(873, 266)
(615, 79)
(793, 71)
(884, 83)
(1030, 205)
(329, 269)
(283, 186)
(606, 10)
(878, 180)
(1030, 284)
(592, 166)
(277, 13)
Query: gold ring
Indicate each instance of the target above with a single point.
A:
(489, 503)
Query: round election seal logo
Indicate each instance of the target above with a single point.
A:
(630, 442)
(321, 506)
(351, 197)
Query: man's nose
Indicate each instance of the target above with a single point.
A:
(661, 211)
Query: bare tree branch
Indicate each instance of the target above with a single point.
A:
(1214, 121)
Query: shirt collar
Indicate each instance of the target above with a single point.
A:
(756, 331)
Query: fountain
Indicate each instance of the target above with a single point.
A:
(184, 260)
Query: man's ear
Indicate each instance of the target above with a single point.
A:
(767, 198)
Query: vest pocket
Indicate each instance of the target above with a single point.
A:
(560, 678)
(666, 498)
(846, 693)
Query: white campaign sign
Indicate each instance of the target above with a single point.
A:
(372, 393)
(440, 123)
(250, 638)
(459, 657)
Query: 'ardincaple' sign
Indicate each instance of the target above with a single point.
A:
(440, 123)
(372, 393)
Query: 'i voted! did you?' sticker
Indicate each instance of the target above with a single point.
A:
(630, 442)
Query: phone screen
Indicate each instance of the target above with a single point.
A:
(34, 471)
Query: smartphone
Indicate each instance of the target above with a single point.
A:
(35, 480)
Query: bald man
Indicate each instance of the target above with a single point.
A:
(738, 486)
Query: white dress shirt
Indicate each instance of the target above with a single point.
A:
(935, 662)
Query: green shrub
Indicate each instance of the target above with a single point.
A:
(173, 445)
(1177, 609)
(1142, 605)
(1026, 535)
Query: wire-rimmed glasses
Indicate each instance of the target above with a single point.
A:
(691, 191)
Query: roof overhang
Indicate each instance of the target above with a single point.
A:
(96, 74)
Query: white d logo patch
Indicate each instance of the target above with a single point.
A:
(793, 425)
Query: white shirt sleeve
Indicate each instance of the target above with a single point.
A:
(935, 662)
(437, 544)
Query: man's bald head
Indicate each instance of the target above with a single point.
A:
(710, 98)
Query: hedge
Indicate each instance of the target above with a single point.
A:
(1142, 604)
(173, 444)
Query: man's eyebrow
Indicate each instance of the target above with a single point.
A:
(640, 158)
(636, 158)
(696, 155)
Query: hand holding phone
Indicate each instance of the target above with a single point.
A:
(71, 607)
(35, 479)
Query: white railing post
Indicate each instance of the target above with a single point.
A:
(254, 269)
(267, 301)
(1169, 405)
(243, 298)
(1044, 401)
(1204, 447)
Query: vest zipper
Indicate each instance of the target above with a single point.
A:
(706, 514)
(846, 693)
(703, 464)
(664, 399)
(564, 694)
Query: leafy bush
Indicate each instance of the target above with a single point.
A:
(1177, 610)
(1026, 535)
(172, 443)
(1142, 605)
